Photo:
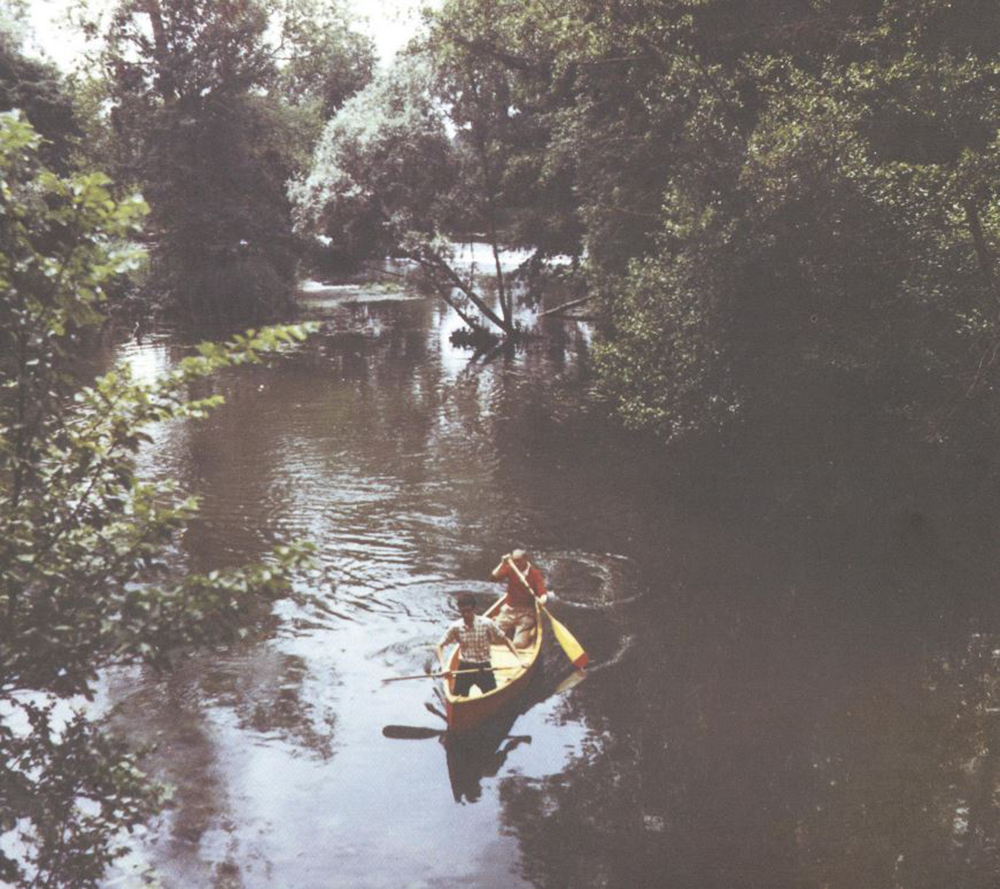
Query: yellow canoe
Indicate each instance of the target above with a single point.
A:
(467, 713)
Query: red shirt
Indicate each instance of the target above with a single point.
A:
(517, 595)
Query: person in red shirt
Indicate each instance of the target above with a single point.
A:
(517, 614)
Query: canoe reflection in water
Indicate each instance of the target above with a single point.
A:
(481, 753)
(473, 757)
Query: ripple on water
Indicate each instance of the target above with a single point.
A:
(327, 602)
(592, 580)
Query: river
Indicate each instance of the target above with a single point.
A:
(793, 667)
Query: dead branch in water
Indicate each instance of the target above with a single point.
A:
(564, 306)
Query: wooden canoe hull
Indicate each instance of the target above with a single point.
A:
(465, 714)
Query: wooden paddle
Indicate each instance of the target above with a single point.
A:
(449, 673)
(567, 641)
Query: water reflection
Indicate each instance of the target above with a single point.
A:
(481, 755)
(783, 693)
(472, 759)
(376, 441)
(146, 361)
(270, 696)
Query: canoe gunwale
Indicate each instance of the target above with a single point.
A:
(467, 713)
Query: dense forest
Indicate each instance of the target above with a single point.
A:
(767, 205)
(802, 199)
(792, 202)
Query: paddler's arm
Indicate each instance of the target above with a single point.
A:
(536, 583)
(439, 648)
(531, 581)
(539, 590)
(499, 568)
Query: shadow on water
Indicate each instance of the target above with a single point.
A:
(472, 756)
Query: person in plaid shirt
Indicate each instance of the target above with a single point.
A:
(473, 633)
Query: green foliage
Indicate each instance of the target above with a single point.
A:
(778, 207)
(665, 370)
(386, 180)
(210, 119)
(35, 89)
(64, 788)
(192, 132)
(494, 68)
(322, 59)
(81, 537)
(384, 169)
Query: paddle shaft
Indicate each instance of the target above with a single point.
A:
(567, 641)
(520, 575)
(449, 673)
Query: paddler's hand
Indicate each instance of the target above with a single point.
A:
(543, 598)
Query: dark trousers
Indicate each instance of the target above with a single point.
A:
(484, 678)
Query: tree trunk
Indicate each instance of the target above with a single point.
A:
(986, 261)
(432, 262)
(506, 306)
(164, 80)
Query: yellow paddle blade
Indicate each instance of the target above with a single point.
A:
(574, 650)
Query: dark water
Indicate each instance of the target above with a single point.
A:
(794, 659)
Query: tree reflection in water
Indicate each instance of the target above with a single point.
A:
(272, 696)
(746, 783)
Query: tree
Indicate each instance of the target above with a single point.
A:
(38, 91)
(81, 537)
(497, 76)
(791, 205)
(384, 182)
(515, 192)
(204, 114)
(321, 59)
(827, 248)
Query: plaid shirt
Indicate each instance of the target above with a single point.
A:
(474, 642)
